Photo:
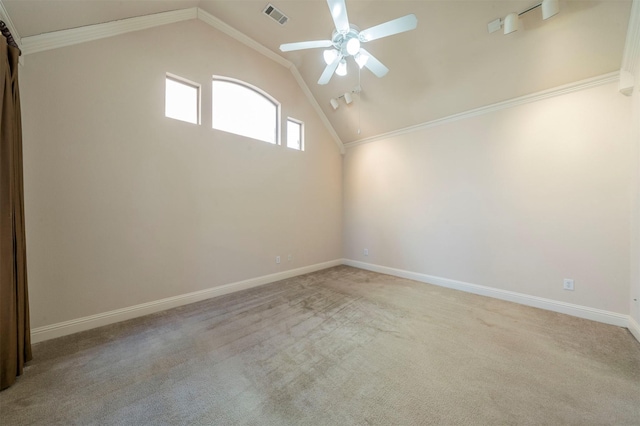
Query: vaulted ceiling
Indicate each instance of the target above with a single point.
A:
(449, 64)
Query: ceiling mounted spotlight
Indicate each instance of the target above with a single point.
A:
(347, 40)
(511, 22)
(348, 97)
(550, 8)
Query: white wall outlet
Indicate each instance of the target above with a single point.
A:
(366, 252)
(277, 259)
(568, 284)
(289, 258)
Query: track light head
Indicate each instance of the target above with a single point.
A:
(550, 8)
(334, 103)
(347, 98)
(511, 23)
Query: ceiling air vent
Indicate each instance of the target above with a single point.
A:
(275, 14)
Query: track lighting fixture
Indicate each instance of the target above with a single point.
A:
(550, 8)
(511, 22)
(348, 97)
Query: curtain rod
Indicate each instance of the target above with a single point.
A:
(8, 36)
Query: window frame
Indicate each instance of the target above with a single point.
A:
(259, 91)
(301, 124)
(186, 82)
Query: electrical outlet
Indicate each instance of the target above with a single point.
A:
(366, 252)
(277, 259)
(568, 284)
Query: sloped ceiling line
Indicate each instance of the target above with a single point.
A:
(534, 97)
(4, 16)
(248, 41)
(63, 38)
(216, 23)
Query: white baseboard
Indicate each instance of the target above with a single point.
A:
(634, 328)
(511, 296)
(52, 331)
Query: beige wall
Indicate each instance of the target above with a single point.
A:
(635, 236)
(516, 199)
(125, 206)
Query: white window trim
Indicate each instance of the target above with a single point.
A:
(301, 124)
(261, 92)
(187, 82)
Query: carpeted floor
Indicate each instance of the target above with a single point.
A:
(337, 347)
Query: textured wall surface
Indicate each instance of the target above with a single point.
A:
(125, 206)
(517, 199)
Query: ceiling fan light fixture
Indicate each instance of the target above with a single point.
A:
(361, 59)
(353, 46)
(342, 68)
(346, 40)
(330, 55)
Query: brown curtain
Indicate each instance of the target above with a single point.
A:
(15, 334)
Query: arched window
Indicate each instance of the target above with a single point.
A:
(243, 109)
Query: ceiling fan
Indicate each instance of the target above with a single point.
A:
(347, 39)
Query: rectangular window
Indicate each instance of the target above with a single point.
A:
(182, 99)
(295, 134)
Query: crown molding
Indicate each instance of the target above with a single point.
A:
(631, 53)
(57, 39)
(629, 68)
(317, 108)
(216, 23)
(534, 97)
(4, 15)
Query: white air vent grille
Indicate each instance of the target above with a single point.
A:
(275, 14)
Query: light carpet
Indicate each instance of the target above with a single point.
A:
(340, 346)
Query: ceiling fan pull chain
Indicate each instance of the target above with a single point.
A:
(359, 95)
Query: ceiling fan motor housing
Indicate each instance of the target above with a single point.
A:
(341, 41)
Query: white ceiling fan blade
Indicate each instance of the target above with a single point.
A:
(374, 65)
(339, 14)
(329, 70)
(400, 25)
(288, 47)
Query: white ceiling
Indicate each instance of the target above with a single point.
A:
(448, 65)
